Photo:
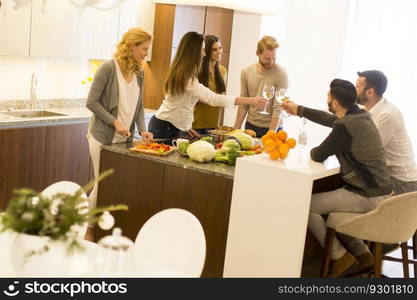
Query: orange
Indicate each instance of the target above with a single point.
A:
(283, 150)
(274, 155)
(283, 156)
(264, 139)
(291, 142)
(278, 142)
(269, 145)
(282, 135)
(271, 134)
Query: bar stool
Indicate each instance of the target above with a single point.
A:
(392, 221)
(404, 256)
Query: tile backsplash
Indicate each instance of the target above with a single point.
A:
(56, 78)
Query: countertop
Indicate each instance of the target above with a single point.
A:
(175, 159)
(70, 115)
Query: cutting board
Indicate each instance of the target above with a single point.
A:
(152, 152)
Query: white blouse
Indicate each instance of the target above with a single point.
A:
(178, 110)
(128, 100)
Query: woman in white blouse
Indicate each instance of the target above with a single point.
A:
(183, 91)
(116, 98)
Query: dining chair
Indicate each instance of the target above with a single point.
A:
(174, 240)
(67, 187)
(392, 221)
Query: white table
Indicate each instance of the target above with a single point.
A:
(269, 214)
(83, 264)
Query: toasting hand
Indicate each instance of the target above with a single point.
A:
(260, 102)
(290, 107)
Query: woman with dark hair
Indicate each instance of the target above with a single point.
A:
(212, 75)
(183, 91)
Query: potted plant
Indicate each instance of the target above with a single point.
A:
(45, 230)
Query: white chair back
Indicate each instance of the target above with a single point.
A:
(67, 187)
(173, 239)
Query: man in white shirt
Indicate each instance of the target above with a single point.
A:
(399, 154)
(370, 87)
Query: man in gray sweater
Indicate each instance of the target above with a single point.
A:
(355, 141)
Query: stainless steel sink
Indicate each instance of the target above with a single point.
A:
(33, 114)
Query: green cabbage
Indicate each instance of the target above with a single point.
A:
(246, 141)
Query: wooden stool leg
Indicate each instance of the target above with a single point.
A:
(404, 254)
(325, 261)
(378, 260)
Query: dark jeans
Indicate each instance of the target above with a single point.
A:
(163, 129)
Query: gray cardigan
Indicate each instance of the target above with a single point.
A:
(103, 101)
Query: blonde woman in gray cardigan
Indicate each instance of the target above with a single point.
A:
(116, 98)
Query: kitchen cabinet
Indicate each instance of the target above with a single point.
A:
(22, 160)
(61, 30)
(137, 13)
(14, 29)
(98, 34)
(67, 155)
(56, 31)
(35, 157)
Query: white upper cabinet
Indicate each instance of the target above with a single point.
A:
(14, 29)
(135, 13)
(99, 33)
(62, 30)
(56, 31)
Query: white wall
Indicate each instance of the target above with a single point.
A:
(245, 36)
(312, 36)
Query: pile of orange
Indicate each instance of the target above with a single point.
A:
(277, 144)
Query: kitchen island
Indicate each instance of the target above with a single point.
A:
(222, 198)
(148, 184)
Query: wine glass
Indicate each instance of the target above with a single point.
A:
(282, 97)
(268, 92)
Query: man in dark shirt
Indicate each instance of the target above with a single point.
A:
(355, 141)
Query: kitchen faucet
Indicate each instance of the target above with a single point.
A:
(33, 83)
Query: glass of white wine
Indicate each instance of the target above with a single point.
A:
(268, 92)
(282, 97)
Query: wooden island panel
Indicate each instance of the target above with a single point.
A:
(208, 197)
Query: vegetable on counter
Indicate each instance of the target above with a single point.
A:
(201, 151)
(226, 156)
(245, 140)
